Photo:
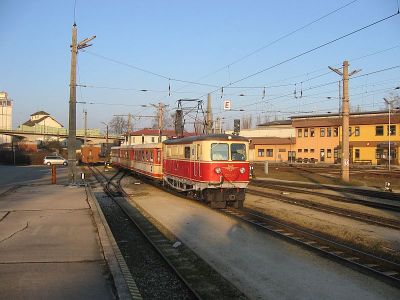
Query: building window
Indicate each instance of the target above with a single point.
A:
(299, 132)
(379, 153)
(392, 130)
(260, 152)
(350, 133)
(312, 132)
(153, 139)
(282, 150)
(322, 132)
(311, 150)
(379, 130)
(299, 150)
(357, 131)
(328, 153)
(305, 132)
(270, 152)
(305, 150)
(357, 153)
(336, 131)
(329, 132)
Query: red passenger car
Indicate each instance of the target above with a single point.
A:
(142, 159)
(213, 167)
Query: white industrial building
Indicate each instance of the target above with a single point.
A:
(5, 116)
(280, 129)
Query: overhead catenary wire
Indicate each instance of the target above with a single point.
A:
(325, 84)
(274, 42)
(169, 78)
(310, 50)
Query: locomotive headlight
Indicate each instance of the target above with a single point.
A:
(217, 170)
(242, 170)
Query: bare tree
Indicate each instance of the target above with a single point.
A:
(258, 120)
(395, 98)
(169, 120)
(198, 126)
(118, 125)
(247, 122)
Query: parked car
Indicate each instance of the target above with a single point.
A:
(55, 160)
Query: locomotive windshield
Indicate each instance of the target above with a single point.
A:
(219, 151)
(238, 152)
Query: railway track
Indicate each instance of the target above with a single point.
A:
(356, 191)
(355, 215)
(381, 268)
(199, 278)
(345, 199)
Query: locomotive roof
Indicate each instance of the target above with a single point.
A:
(208, 137)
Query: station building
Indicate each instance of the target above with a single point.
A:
(318, 137)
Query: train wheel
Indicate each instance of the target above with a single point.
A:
(238, 204)
(218, 204)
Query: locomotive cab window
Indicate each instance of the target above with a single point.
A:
(219, 152)
(238, 152)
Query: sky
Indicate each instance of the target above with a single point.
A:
(160, 46)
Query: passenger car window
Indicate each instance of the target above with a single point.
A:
(219, 151)
(187, 152)
(238, 152)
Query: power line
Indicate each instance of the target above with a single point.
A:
(147, 71)
(310, 50)
(275, 41)
(374, 72)
(320, 85)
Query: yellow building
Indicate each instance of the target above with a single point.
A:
(273, 149)
(318, 137)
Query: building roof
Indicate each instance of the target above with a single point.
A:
(34, 122)
(376, 112)
(271, 141)
(277, 123)
(40, 113)
(155, 132)
(363, 118)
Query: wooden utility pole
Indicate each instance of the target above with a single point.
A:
(129, 122)
(72, 104)
(345, 119)
(209, 120)
(160, 117)
(85, 135)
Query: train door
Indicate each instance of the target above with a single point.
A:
(189, 155)
(196, 150)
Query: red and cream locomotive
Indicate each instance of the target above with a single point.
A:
(213, 168)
